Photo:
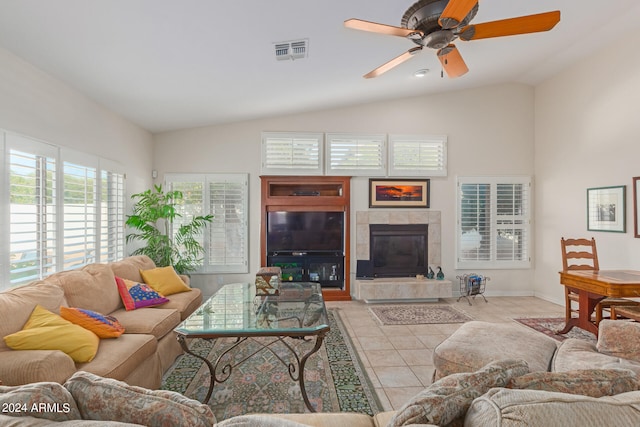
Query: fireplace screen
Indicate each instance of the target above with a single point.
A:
(398, 250)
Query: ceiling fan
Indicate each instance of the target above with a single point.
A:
(437, 23)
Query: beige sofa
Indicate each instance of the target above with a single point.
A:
(477, 343)
(139, 357)
(600, 388)
(502, 393)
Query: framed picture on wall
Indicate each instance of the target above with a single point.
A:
(398, 193)
(636, 205)
(606, 209)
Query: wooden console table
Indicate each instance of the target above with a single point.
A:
(592, 287)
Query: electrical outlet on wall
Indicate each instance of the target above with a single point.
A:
(220, 280)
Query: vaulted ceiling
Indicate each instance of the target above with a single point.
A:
(167, 64)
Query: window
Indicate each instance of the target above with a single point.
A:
(349, 154)
(493, 222)
(64, 211)
(226, 197)
(112, 212)
(291, 153)
(80, 215)
(417, 155)
(32, 210)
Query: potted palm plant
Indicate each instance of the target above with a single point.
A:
(154, 221)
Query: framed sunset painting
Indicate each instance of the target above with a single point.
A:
(398, 193)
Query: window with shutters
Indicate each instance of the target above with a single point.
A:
(112, 213)
(65, 209)
(292, 153)
(225, 196)
(80, 215)
(493, 222)
(356, 155)
(417, 155)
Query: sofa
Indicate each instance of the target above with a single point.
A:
(139, 356)
(477, 343)
(503, 392)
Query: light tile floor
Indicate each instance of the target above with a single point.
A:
(398, 359)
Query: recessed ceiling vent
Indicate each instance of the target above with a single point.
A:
(291, 50)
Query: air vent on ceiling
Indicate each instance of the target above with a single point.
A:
(292, 49)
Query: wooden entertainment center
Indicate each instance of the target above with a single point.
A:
(323, 198)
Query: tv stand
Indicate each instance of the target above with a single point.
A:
(309, 194)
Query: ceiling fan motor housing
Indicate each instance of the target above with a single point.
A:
(424, 15)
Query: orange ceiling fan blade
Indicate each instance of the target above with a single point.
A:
(452, 61)
(509, 27)
(393, 63)
(374, 27)
(455, 12)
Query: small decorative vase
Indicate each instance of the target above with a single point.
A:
(430, 273)
(440, 275)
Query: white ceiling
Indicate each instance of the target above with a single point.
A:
(172, 64)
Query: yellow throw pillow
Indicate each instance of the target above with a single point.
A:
(164, 280)
(47, 331)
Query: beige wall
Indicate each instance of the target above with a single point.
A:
(587, 134)
(577, 130)
(490, 132)
(35, 105)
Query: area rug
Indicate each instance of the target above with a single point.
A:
(334, 378)
(418, 314)
(551, 325)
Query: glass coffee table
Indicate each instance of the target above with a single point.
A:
(297, 318)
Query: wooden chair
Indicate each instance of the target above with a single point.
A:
(581, 254)
(626, 311)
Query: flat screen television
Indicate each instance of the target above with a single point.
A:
(305, 232)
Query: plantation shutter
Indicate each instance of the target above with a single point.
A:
(226, 197)
(291, 153)
(356, 155)
(32, 209)
(228, 245)
(494, 222)
(112, 209)
(80, 209)
(417, 155)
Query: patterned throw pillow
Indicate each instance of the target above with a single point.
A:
(101, 325)
(106, 399)
(47, 331)
(445, 402)
(136, 295)
(619, 339)
(587, 382)
(45, 400)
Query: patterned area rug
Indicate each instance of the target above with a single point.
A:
(418, 314)
(551, 325)
(334, 378)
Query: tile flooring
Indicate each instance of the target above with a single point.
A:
(398, 359)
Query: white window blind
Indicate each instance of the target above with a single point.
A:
(33, 213)
(80, 219)
(291, 153)
(349, 154)
(494, 229)
(226, 197)
(416, 155)
(63, 209)
(112, 215)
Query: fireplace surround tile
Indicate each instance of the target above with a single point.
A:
(364, 218)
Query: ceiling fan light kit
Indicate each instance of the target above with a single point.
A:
(436, 24)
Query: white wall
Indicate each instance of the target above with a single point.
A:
(490, 132)
(36, 105)
(587, 134)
